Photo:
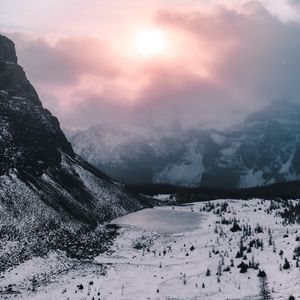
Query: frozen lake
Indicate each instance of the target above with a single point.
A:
(162, 220)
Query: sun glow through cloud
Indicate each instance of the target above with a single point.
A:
(152, 61)
(150, 42)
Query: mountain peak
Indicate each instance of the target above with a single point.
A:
(30, 136)
(7, 50)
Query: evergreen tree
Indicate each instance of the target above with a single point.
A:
(264, 293)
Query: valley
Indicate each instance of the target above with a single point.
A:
(200, 263)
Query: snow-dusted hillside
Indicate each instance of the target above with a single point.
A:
(263, 149)
(220, 259)
(44, 186)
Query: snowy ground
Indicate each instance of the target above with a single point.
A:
(148, 265)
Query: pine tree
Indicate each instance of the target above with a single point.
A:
(34, 283)
(264, 293)
(219, 271)
(286, 264)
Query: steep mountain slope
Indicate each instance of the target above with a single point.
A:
(263, 149)
(129, 153)
(42, 180)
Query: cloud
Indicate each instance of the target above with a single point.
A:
(257, 54)
(178, 95)
(223, 61)
(67, 60)
(294, 2)
(95, 109)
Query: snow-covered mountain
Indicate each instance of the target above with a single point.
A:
(130, 153)
(42, 180)
(263, 149)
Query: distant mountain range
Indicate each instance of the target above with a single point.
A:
(263, 149)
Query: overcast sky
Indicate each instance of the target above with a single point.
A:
(219, 59)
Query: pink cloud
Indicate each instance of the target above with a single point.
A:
(68, 59)
(224, 60)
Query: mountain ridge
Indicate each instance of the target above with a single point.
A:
(264, 149)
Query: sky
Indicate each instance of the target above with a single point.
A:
(156, 63)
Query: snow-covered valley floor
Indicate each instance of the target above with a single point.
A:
(149, 265)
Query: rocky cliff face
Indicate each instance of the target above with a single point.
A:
(41, 178)
(30, 137)
(264, 149)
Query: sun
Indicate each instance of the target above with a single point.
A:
(150, 42)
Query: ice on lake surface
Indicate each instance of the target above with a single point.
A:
(162, 220)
